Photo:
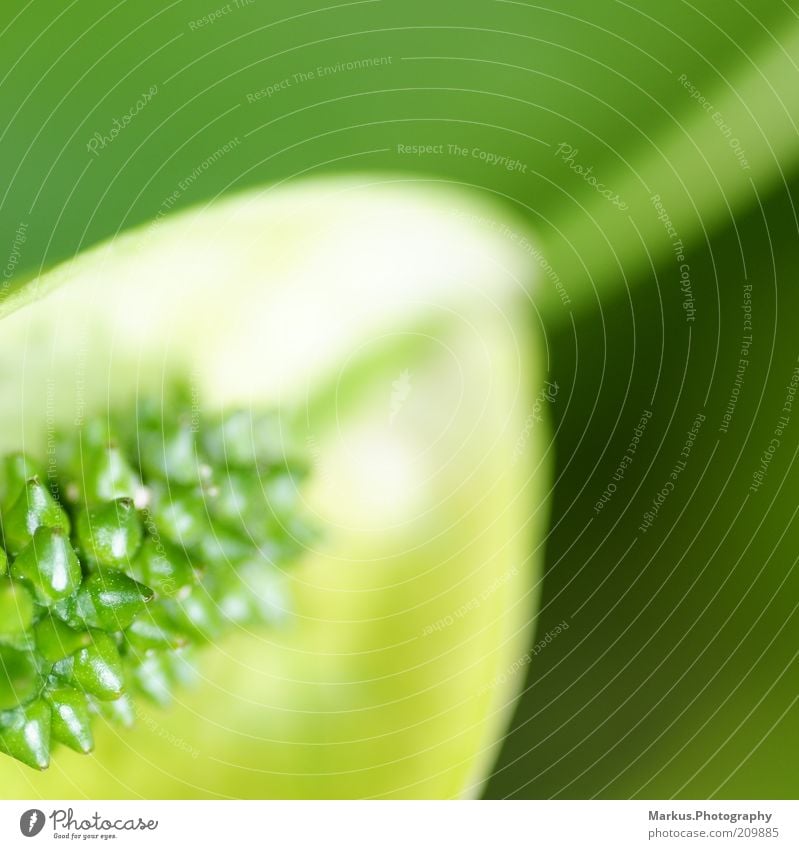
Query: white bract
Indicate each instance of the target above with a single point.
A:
(388, 321)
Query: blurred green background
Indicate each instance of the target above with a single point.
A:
(677, 675)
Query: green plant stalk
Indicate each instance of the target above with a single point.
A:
(399, 669)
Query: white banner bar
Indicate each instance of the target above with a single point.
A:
(400, 825)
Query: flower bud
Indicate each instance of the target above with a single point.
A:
(120, 711)
(223, 546)
(137, 590)
(245, 439)
(109, 600)
(34, 508)
(153, 678)
(55, 640)
(110, 534)
(164, 567)
(171, 453)
(154, 630)
(16, 611)
(181, 515)
(15, 470)
(19, 677)
(107, 476)
(49, 565)
(198, 616)
(96, 669)
(70, 719)
(25, 734)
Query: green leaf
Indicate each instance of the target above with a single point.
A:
(691, 169)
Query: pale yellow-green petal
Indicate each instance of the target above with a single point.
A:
(387, 321)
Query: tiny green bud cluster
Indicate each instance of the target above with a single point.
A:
(148, 536)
